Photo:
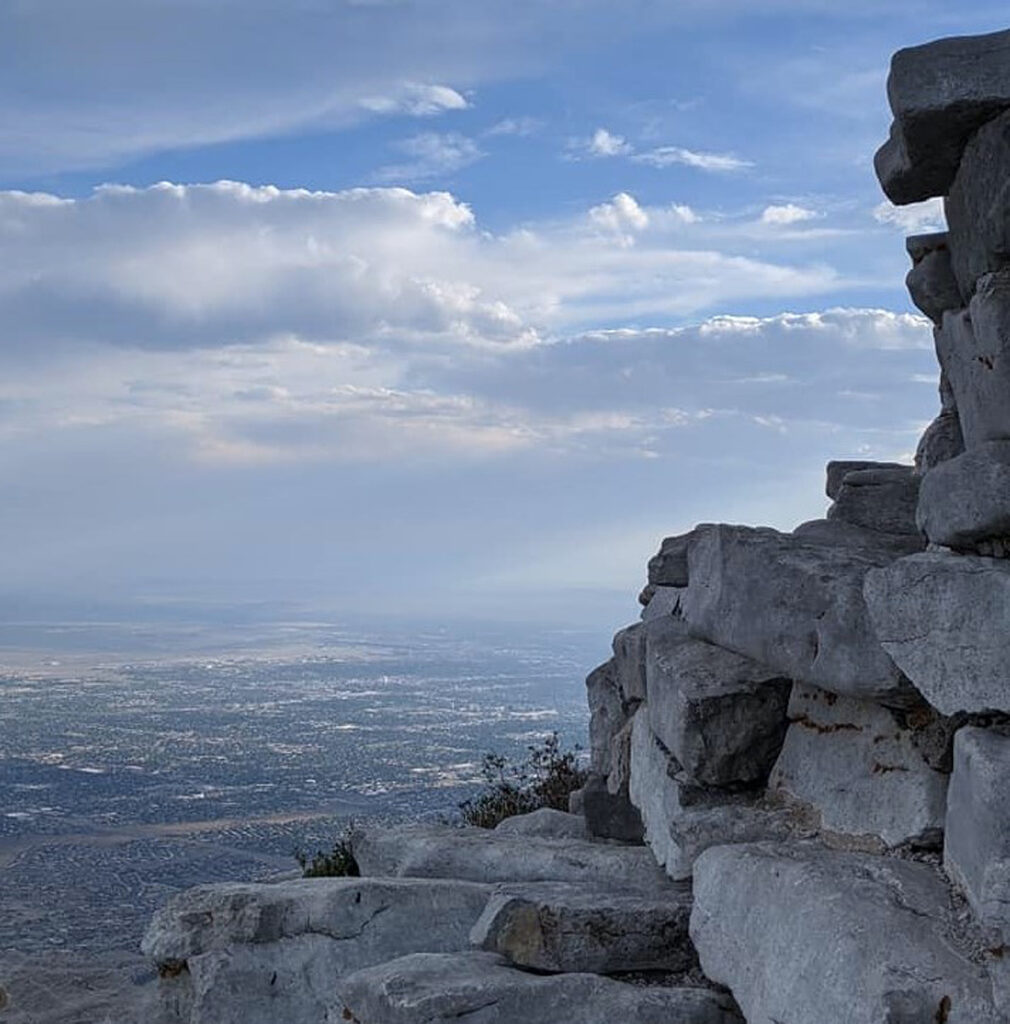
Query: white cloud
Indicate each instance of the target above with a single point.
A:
(432, 155)
(787, 213)
(603, 143)
(620, 215)
(416, 100)
(668, 156)
(518, 126)
(914, 219)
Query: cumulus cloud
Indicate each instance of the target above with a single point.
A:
(914, 219)
(787, 213)
(603, 143)
(620, 216)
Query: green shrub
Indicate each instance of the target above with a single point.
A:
(544, 779)
(338, 863)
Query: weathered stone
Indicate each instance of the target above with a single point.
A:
(860, 771)
(931, 281)
(838, 533)
(967, 499)
(978, 206)
(479, 855)
(606, 713)
(610, 815)
(668, 567)
(973, 347)
(721, 715)
(620, 760)
(546, 823)
(838, 469)
(977, 849)
(945, 619)
(483, 989)
(808, 935)
(556, 927)
(242, 953)
(940, 94)
(879, 499)
(665, 602)
(629, 662)
(794, 606)
(941, 440)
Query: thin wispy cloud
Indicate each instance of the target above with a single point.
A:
(416, 101)
(604, 143)
(431, 155)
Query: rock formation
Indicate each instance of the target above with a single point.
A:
(798, 810)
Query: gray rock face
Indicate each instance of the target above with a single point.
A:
(554, 927)
(794, 606)
(860, 771)
(838, 469)
(668, 567)
(973, 347)
(546, 823)
(606, 713)
(967, 499)
(838, 533)
(977, 850)
(610, 815)
(242, 953)
(977, 206)
(629, 661)
(478, 855)
(945, 619)
(482, 989)
(941, 440)
(940, 94)
(807, 935)
(722, 716)
(664, 602)
(878, 499)
(931, 281)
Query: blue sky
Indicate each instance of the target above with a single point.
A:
(419, 306)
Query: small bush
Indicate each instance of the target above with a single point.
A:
(544, 779)
(338, 863)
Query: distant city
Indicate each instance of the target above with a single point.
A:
(122, 781)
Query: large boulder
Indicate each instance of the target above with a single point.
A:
(668, 567)
(879, 499)
(629, 662)
(721, 715)
(480, 855)
(481, 988)
(557, 927)
(606, 713)
(940, 94)
(977, 850)
(978, 206)
(794, 606)
(967, 499)
(940, 441)
(546, 823)
(808, 935)
(945, 619)
(931, 282)
(838, 533)
(838, 469)
(245, 953)
(609, 815)
(860, 770)
(973, 347)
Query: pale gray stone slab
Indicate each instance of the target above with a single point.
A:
(566, 928)
(859, 770)
(878, 499)
(940, 94)
(668, 567)
(967, 499)
(664, 602)
(838, 533)
(480, 855)
(629, 661)
(794, 606)
(606, 713)
(481, 988)
(721, 715)
(838, 469)
(547, 823)
(805, 935)
(931, 282)
(945, 619)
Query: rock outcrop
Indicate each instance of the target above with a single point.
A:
(799, 756)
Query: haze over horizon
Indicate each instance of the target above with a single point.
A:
(422, 307)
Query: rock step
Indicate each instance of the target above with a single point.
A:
(482, 988)
(552, 926)
(478, 855)
(805, 935)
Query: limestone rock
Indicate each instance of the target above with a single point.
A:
(977, 850)
(721, 715)
(978, 206)
(606, 713)
(664, 602)
(794, 606)
(629, 661)
(940, 94)
(668, 567)
(483, 989)
(931, 281)
(546, 823)
(945, 619)
(973, 347)
(479, 855)
(556, 927)
(610, 815)
(808, 935)
(878, 499)
(941, 440)
(838, 469)
(967, 499)
(838, 533)
(862, 773)
(620, 760)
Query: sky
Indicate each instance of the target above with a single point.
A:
(439, 307)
